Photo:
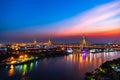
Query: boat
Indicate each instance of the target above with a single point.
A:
(20, 60)
(69, 50)
(85, 50)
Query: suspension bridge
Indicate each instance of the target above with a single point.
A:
(85, 43)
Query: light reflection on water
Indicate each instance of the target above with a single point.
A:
(23, 69)
(89, 62)
(11, 71)
(71, 67)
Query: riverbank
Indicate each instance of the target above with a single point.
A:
(110, 70)
(70, 67)
(40, 55)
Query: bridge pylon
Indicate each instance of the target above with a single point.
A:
(83, 42)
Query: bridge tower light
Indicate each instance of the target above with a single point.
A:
(35, 42)
(83, 42)
(49, 42)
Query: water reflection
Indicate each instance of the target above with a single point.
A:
(24, 78)
(22, 69)
(71, 67)
(31, 65)
(93, 60)
(11, 71)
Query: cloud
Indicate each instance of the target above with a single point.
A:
(100, 18)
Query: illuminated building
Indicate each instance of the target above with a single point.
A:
(1, 45)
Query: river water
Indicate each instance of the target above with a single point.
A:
(70, 67)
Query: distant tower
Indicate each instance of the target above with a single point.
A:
(35, 42)
(49, 42)
(83, 42)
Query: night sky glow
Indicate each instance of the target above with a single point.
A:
(24, 20)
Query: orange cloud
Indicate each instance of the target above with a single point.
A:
(107, 33)
(97, 20)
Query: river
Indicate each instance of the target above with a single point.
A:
(70, 67)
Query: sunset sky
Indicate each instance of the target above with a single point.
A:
(25, 20)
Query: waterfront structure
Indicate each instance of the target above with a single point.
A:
(84, 44)
(49, 42)
(2, 45)
(110, 70)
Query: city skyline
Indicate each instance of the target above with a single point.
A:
(28, 20)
